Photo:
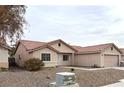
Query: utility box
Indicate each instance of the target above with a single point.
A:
(66, 79)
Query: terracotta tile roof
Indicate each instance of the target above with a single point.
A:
(30, 45)
(5, 47)
(33, 45)
(94, 48)
(3, 44)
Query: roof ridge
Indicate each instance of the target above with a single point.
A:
(99, 47)
(93, 45)
(54, 41)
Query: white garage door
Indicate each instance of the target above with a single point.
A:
(88, 59)
(111, 60)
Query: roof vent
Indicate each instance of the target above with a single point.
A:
(59, 44)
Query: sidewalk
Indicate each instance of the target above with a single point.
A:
(92, 69)
(89, 69)
(119, 68)
(119, 84)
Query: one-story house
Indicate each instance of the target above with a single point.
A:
(51, 53)
(58, 52)
(4, 54)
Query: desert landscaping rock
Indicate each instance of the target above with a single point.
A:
(16, 77)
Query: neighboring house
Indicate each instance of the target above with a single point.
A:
(4, 54)
(60, 53)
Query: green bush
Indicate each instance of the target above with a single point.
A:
(33, 64)
(3, 69)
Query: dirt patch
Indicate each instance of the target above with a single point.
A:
(16, 77)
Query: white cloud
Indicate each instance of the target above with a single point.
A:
(84, 25)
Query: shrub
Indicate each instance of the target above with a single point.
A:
(33, 64)
(95, 66)
(3, 69)
(72, 69)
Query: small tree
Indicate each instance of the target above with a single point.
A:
(11, 22)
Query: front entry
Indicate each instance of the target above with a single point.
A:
(64, 59)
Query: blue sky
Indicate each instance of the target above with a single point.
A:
(77, 25)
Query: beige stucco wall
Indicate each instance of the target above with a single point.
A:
(24, 55)
(87, 59)
(122, 57)
(108, 51)
(61, 62)
(4, 58)
(62, 48)
(52, 62)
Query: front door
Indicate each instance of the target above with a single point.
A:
(64, 59)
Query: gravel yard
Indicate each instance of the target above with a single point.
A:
(16, 77)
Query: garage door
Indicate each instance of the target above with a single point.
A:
(87, 59)
(111, 60)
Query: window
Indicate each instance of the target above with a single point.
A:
(59, 44)
(111, 48)
(45, 57)
(65, 57)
